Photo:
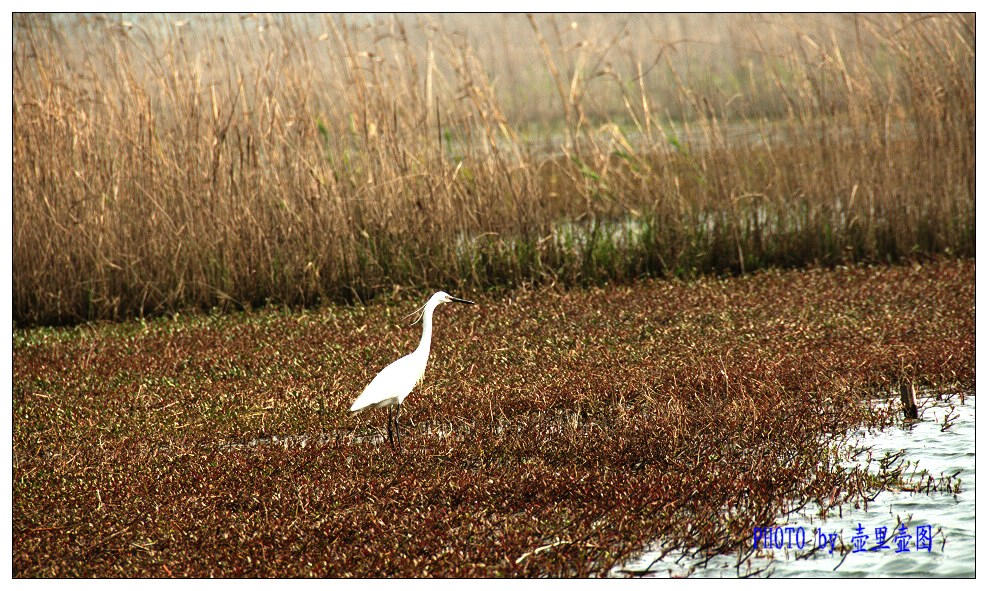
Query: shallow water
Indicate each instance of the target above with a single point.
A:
(950, 515)
(558, 422)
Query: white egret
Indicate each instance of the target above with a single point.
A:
(390, 387)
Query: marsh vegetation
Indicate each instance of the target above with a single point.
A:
(691, 412)
(232, 161)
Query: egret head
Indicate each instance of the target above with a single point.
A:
(441, 297)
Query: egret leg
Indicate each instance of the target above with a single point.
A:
(390, 434)
(397, 430)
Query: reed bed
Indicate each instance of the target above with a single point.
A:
(175, 163)
(558, 432)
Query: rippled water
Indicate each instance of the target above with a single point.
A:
(951, 515)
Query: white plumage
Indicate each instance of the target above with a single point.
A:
(395, 382)
(392, 385)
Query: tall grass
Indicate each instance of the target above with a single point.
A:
(207, 161)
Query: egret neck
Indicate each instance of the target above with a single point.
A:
(423, 349)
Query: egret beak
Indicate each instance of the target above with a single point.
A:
(460, 300)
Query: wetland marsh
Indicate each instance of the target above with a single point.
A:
(700, 245)
(702, 408)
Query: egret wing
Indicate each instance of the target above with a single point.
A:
(391, 385)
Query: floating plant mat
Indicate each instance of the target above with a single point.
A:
(934, 461)
(558, 432)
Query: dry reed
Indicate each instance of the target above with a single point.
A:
(232, 161)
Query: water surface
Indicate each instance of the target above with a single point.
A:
(947, 455)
